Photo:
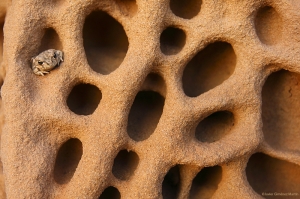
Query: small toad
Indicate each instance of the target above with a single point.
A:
(46, 61)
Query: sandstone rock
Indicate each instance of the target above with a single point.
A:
(154, 99)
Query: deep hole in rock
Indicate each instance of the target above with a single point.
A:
(215, 126)
(128, 7)
(144, 115)
(186, 9)
(280, 110)
(171, 183)
(125, 164)
(1, 41)
(67, 160)
(208, 69)
(110, 193)
(268, 25)
(105, 42)
(270, 175)
(84, 99)
(50, 40)
(172, 40)
(206, 182)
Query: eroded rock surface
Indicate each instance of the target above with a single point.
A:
(154, 99)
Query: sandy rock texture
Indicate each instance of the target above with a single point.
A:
(154, 99)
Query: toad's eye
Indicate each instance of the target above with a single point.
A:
(54, 55)
(40, 62)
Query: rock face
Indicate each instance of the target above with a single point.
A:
(154, 99)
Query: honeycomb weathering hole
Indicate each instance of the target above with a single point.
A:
(215, 126)
(268, 25)
(67, 160)
(125, 164)
(206, 182)
(50, 40)
(110, 193)
(185, 9)
(208, 69)
(270, 175)
(144, 115)
(172, 40)
(105, 42)
(171, 183)
(84, 99)
(128, 7)
(280, 110)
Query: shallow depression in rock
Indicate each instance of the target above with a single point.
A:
(206, 183)
(208, 69)
(105, 42)
(128, 7)
(68, 157)
(125, 164)
(215, 126)
(84, 99)
(268, 25)
(186, 9)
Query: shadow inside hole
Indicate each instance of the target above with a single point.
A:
(1, 41)
(110, 193)
(186, 9)
(270, 175)
(144, 115)
(84, 99)
(105, 42)
(50, 40)
(172, 40)
(125, 164)
(206, 182)
(171, 183)
(208, 69)
(128, 7)
(268, 25)
(280, 110)
(67, 160)
(215, 126)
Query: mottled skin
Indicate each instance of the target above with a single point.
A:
(46, 61)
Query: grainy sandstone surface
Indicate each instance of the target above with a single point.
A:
(154, 99)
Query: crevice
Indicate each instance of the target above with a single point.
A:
(171, 183)
(67, 160)
(125, 164)
(215, 126)
(84, 99)
(186, 9)
(206, 183)
(1, 41)
(208, 69)
(172, 40)
(105, 42)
